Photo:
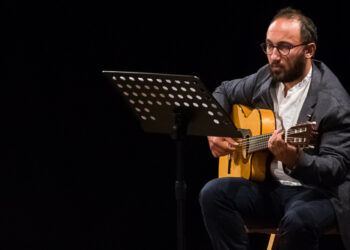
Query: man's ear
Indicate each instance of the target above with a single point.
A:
(310, 50)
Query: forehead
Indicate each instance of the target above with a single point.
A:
(284, 30)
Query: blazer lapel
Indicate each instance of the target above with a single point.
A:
(263, 98)
(307, 111)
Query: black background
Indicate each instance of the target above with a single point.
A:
(77, 171)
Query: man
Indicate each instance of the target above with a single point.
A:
(305, 193)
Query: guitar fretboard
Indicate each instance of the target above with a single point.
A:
(260, 142)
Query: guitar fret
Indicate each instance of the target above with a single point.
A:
(257, 143)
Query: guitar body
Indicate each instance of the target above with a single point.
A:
(251, 166)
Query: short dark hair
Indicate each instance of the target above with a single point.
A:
(308, 30)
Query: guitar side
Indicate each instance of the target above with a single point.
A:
(251, 166)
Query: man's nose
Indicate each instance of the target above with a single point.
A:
(275, 54)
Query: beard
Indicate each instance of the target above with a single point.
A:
(295, 71)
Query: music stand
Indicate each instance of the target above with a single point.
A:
(178, 105)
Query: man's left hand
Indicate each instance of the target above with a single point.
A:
(284, 152)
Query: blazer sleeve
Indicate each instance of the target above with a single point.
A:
(329, 166)
(238, 91)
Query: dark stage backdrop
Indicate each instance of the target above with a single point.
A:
(77, 171)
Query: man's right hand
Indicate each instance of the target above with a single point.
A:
(220, 146)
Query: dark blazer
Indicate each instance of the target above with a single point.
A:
(326, 167)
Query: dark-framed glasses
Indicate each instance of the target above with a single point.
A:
(283, 48)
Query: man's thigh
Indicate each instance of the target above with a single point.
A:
(311, 207)
(250, 199)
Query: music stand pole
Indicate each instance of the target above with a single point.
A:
(179, 134)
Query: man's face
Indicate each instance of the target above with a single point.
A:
(291, 67)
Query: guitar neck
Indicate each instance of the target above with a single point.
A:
(298, 135)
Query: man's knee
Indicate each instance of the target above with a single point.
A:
(218, 191)
(207, 194)
(298, 222)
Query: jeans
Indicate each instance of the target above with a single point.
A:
(230, 203)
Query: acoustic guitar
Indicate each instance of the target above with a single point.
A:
(257, 126)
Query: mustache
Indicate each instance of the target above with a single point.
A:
(276, 65)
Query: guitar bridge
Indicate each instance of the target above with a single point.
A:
(229, 156)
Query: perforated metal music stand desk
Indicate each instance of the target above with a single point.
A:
(178, 105)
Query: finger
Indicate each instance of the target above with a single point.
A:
(217, 152)
(220, 145)
(219, 141)
(272, 138)
(228, 144)
(215, 141)
(279, 138)
(227, 147)
(274, 135)
(231, 141)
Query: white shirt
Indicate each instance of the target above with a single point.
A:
(287, 109)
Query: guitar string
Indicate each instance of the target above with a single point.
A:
(259, 138)
(260, 142)
(257, 147)
(264, 135)
(262, 145)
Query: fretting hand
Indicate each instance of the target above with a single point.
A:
(284, 152)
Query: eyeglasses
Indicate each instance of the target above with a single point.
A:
(283, 48)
